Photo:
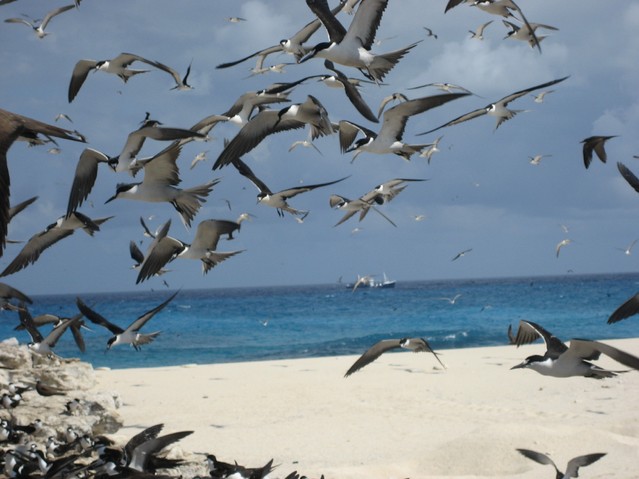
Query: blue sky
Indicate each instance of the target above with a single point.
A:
(482, 191)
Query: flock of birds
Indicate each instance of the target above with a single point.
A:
(258, 115)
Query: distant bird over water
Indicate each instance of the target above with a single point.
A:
(131, 335)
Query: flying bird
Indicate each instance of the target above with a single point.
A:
(431, 149)
(461, 253)
(116, 66)
(305, 144)
(9, 292)
(560, 245)
(628, 249)
(62, 228)
(535, 160)
(181, 83)
(389, 138)
(352, 93)
(478, 34)
(17, 127)
(596, 144)
(293, 45)
(161, 177)
(630, 307)
(203, 248)
(152, 129)
(416, 345)
(563, 361)
(572, 469)
(279, 199)
(131, 335)
(352, 47)
(39, 28)
(629, 176)
(44, 345)
(269, 122)
(399, 97)
(498, 109)
(527, 32)
(377, 196)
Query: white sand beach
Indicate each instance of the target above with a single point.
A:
(399, 417)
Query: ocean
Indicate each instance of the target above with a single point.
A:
(252, 324)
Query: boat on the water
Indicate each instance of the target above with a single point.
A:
(369, 281)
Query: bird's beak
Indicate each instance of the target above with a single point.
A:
(110, 199)
(519, 366)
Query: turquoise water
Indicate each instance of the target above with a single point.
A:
(227, 325)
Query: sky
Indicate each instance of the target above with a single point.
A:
(482, 192)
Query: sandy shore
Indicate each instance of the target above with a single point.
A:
(399, 417)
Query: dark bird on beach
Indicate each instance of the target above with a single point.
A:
(596, 144)
(416, 345)
(563, 361)
(131, 335)
(17, 127)
(219, 469)
(572, 469)
(140, 456)
(48, 390)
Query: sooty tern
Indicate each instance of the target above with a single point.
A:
(268, 122)
(139, 457)
(17, 127)
(431, 149)
(39, 28)
(478, 34)
(63, 227)
(377, 196)
(498, 109)
(131, 335)
(279, 199)
(220, 469)
(293, 45)
(596, 144)
(203, 248)
(32, 323)
(161, 177)
(527, 32)
(181, 83)
(84, 178)
(563, 361)
(9, 292)
(416, 345)
(41, 345)
(389, 138)
(352, 47)
(352, 93)
(125, 161)
(399, 97)
(572, 468)
(116, 66)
